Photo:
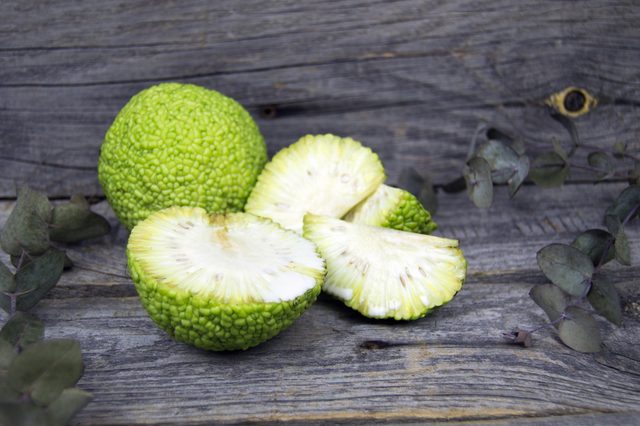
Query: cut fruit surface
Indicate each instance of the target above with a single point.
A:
(222, 282)
(384, 273)
(321, 174)
(393, 208)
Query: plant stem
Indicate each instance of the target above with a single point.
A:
(609, 151)
(615, 173)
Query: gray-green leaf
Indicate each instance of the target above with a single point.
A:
(46, 368)
(7, 285)
(558, 149)
(623, 252)
(593, 243)
(625, 205)
(477, 175)
(602, 161)
(7, 393)
(549, 170)
(514, 143)
(74, 221)
(567, 267)
(38, 277)
(605, 299)
(7, 354)
(619, 149)
(522, 170)
(27, 225)
(502, 160)
(21, 330)
(22, 414)
(70, 401)
(579, 331)
(551, 299)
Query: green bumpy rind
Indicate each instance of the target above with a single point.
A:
(180, 145)
(409, 215)
(214, 326)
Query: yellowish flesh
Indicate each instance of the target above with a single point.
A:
(322, 174)
(232, 258)
(384, 273)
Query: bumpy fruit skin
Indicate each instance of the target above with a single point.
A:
(393, 208)
(180, 145)
(211, 325)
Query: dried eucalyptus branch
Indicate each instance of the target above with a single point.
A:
(577, 279)
(37, 377)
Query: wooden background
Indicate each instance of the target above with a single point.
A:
(413, 80)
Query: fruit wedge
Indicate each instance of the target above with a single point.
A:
(385, 273)
(322, 174)
(222, 282)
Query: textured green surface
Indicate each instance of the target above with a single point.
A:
(211, 325)
(393, 208)
(409, 215)
(180, 145)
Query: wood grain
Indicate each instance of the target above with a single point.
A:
(333, 365)
(413, 79)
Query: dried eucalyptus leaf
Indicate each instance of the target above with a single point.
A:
(7, 393)
(27, 225)
(567, 267)
(22, 329)
(580, 331)
(549, 170)
(605, 299)
(619, 149)
(551, 299)
(600, 160)
(593, 243)
(7, 285)
(477, 174)
(522, 170)
(70, 401)
(514, 143)
(15, 260)
(626, 204)
(558, 149)
(623, 252)
(502, 160)
(38, 277)
(23, 413)
(7, 280)
(74, 221)
(46, 368)
(7, 354)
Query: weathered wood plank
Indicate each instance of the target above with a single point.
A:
(334, 365)
(412, 79)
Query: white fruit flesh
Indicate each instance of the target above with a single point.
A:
(232, 258)
(322, 174)
(384, 273)
(373, 209)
